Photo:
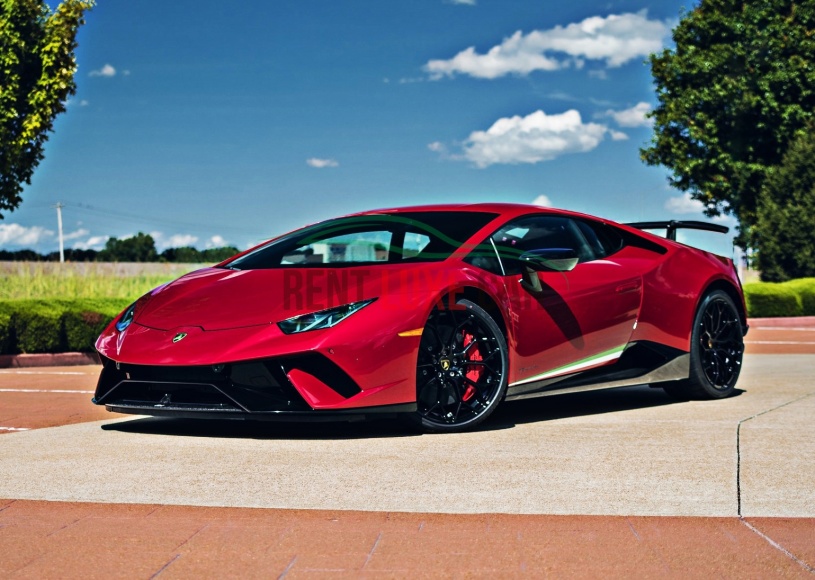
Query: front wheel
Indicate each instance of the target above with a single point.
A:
(717, 348)
(461, 373)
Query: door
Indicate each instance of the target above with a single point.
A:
(580, 319)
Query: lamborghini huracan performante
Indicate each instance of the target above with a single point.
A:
(433, 313)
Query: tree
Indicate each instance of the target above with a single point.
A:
(139, 248)
(785, 215)
(731, 97)
(37, 66)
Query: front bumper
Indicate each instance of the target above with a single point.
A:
(262, 389)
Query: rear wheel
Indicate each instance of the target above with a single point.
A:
(717, 349)
(461, 374)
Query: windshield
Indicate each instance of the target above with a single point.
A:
(369, 239)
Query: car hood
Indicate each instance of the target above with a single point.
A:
(220, 299)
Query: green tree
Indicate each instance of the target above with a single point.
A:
(37, 68)
(139, 248)
(785, 216)
(731, 97)
(215, 255)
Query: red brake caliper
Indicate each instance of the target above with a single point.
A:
(474, 374)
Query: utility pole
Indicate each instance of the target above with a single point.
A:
(59, 207)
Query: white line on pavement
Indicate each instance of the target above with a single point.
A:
(44, 391)
(14, 429)
(8, 372)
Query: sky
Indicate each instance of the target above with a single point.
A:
(210, 123)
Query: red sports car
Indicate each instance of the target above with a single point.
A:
(436, 313)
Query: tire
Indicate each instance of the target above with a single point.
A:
(716, 352)
(461, 370)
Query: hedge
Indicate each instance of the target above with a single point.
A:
(793, 298)
(33, 326)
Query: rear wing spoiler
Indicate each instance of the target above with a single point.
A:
(672, 225)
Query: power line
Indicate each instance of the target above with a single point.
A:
(159, 221)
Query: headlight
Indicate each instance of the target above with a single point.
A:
(127, 317)
(322, 319)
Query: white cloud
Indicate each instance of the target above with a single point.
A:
(80, 233)
(531, 139)
(172, 241)
(180, 241)
(614, 40)
(633, 117)
(618, 136)
(92, 243)
(683, 204)
(17, 235)
(105, 71)
(542, 200)
(216, 242)
(464, 2)
(321, 163)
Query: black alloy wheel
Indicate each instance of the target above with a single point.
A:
(717, 349)
(461, 373)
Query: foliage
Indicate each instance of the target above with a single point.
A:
(793, 298)
(95, 281)
(32, 326)
(805, 288)
(37, 67)
(138, 248)
(185, 255)
(190, 255)
(784, 232)
(737, 88)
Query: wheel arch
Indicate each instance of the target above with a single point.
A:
(728, 288)
(488, 303)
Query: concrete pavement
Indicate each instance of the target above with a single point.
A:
(623, 452)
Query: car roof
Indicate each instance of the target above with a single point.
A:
(507, 210)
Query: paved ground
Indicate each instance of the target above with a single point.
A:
(622, 482)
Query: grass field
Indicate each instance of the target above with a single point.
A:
(44, 280)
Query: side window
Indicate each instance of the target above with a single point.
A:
(590, 240)
(344, 248)
(414, 244)
(604, 240)
(538, 233)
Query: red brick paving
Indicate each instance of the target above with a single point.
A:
(20, 408)
(68, 540)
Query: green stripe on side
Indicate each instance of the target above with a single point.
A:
(575, 366)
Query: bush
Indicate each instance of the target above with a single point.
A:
(84, 320)
(767, 299)
(38, 327)
(805, 288)
(35, 326)
(7, 337)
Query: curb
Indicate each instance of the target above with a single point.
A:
(62, 359)
(786, 322)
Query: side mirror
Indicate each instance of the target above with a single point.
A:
(547, 260)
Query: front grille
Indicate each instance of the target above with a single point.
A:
(244, 387)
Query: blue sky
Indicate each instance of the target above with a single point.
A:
(210, 123)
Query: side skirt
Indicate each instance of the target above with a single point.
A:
(641, 364)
